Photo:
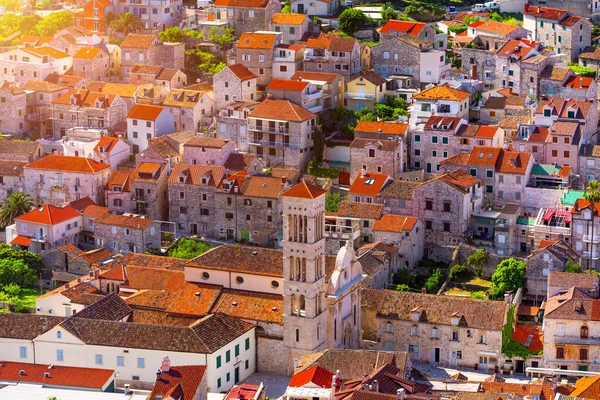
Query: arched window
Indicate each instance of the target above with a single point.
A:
(58, 334)
(302, 306)
(584, 332)
(434, 333)
(388, 327)
(414, 331)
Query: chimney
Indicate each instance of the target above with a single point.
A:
(581, 81)
(333, 383)
(363, 172)
(166, 364)
(474, 72)
(375, 386)
(400, 394)
(295, 363)
(364, 378)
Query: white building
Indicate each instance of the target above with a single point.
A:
(146, 122)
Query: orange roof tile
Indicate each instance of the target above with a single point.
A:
(544, 12)
(145, 112)
(124, 221)
(46, 51)
(21, 241)
(442, 92)
(180, 382)
(514, 162)
(120, 178)
(58, 162)
(481, 155)
(395, 223)
(316, 375)
(495, 27)
(369, 184)
(95, 211)
(587, 387)
(87, 53)
(579, 82)
(304, 190)
(60, 376)
(288, 19)
(265, 307)
(49, 215)
(287, 84)
(412, 28)
(147, 168)
(384, 128)
(256, 40)
(85, 98)
(281, 110)
(458, 179)
(262, 186)
(138, 41)
(241, 72)
(107, 142)
(242, 3)
(523, 332)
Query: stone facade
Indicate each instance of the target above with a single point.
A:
(234, 83)
(13, 105)
(255, 51)
(92, 64)
(207, 151)
(12, 177)
(543, 261)
(149, 191)
(245, 16)
(333, 54)
(192, 110)
(121, 234)
(399, 56)
(292, 26)
(386, 156)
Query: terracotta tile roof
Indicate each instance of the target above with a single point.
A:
(146, 69)
(350, 209)
(115, 274)
(241, 72)
(21, 241)
(253, 306)
(145, 112)
(517, 49)
(451, 123)
(564, 128)
(288, 19)
(208, 142)
(49, 215)
(138, 41)
(120, 178)
(63, 80)
(35, 40)
(587, 387)
(570, 20)
(159, 317)
(58, 162)
(412, 28)
(184, 379)
(478, 314)
(97, 255)
(244, 259)
(183, 98)
(579, 82)
(544, 12)
(556, 73)
(122, 89)
(460, 159)
(570, 279)
(523, 332)
(395, 223)
(287, 173)
(206, 336)
(12, 168)
(107, 142)
(18, 147)
(87, 53)
(313, 376)
(60, 376)
(287, 84)
(68, 248)
(591, 53)
(442, 92)
(85, 98)
(95, 211)
(373, 77)
(543, 391)
(315, 76)
(510, 122)
(353, 363)
(26, 326)
(399, 190)
(243, 391)
(370, 184)
(239, 162)
(242, 3)
(339, 43)
(124, 221)
(46, 51)
(166, 74)
(581, 204)
(193, 174)
(497, 28)
(11, 88)
(575, 304)
(318, 43)
(256, 40)
(195, 299)
(304, 190)
(384, 128)
(478, 131)
(481, 155)
(513, 162)
(110, 308)
(283, 110)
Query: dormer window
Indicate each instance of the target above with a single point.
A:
(434, 126)
(73, 100)
(547, 112)
(455, 321)
(181, 179)
(204, 181)
(101, 149)
(445, 127)
(571, 114)
(416, 315)
(116, 188)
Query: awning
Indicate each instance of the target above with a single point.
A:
(21, 241)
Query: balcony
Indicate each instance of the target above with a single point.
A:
(39, 237)
(588, 255)
(138, 197)
(310, 57)
(590, 340)
(315, 109)
(588, 239)
(360, 96)
(342, 231)
(270, 129)
(314, 96)
(272, 143)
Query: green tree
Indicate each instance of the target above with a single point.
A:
(591, 194)
(459, 271)
(319, 143)
(573, 267)
(435, 281)
(507, 277)
(402, 288)
(388, 13)
(188, 248)
(224, 39)
(403, 277)
(477, 260)
(193, 33)
(204, 62)
(126, 22)
(333, 201)
(17, 272)
(287, 7)
(469, 20)
(32, 260)
(18, 203)
(55, 22)
(352, 20)
(171, 35)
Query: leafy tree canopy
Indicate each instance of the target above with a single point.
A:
(16, 272)
(435, 281)
(188, 249)
(573, 267)
(333, 201)
(352, 20)
(55, 22)
(172, 35)
(508, 277)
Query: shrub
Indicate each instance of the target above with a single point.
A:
(403, 277)
(458, 28)
(402, 288)
(478, 295)
(435, 281)
(188, 248)
(573, 267)
(459, 271)
(508, 277)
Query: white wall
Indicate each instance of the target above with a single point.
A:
(11, 350)
(253, 283)
(535, 198)
(56, 304)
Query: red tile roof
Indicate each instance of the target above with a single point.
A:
(242, 3)
(384, 128)
(74, 377)
(544, 12)
(58, 162)
(243, 391)
(587, 387)
(395, 223)
(256, 40)
(124, 221)
(241, 72)
(495, 27)
(21, 241)
(459, 179)
(315, 76)
(412, 28)
(145, 112)
(288, 19)
(49, 215)
(108, 142)
(281, 110)
(183, 380)
(523, 332)
(579, 82)
(304, 190)
(287, 84)
(442, 92)
(370, 184)
(316, 375)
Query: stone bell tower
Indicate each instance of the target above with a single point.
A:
(304, 314)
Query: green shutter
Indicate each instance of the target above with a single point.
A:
(219, 363)
(237, 350)
(247, 343)
(219, 383)
(228, 356)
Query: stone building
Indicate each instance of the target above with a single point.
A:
(121, 234)
(139, 49)
(584, 112)
(590, 58)
(366, 90)
(548, 259)
(562, 82)
(170, 78)
(400, 56)
(380, 130)
(582, 229)
(353, 221)
(332, 86)
(382, 156)
(564, 142)
(334, 54)
(22, 151)
(302, 93)
(394, 28)
(23, 64)
(255, 51)
(149, 194)
(12, 177)
(234, 83)
(292, 26)
(57, 179)
(442, 100)
(288, 60)
(232, 123)
(589, 160)
(444, 330)
(70, 261)
(446, 205)
(404, 232)
(13, 105)
(192, 109)
(91, 63)
(500, 103)
(145, 123)
(88, 109)
(247, 15)
(435, 142)
(281, 131)
(207, 151)
(557, 28)
(39, 105)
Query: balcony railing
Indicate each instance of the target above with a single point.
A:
(315, 95)
(308, 57)
(39, 238)
(588, 255)
(270, 129)
(342, 231)
(590, 340)
(275, 144)
(315, 109)
(588, 238)
(360, 96)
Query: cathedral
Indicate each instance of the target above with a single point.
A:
(318, 313)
